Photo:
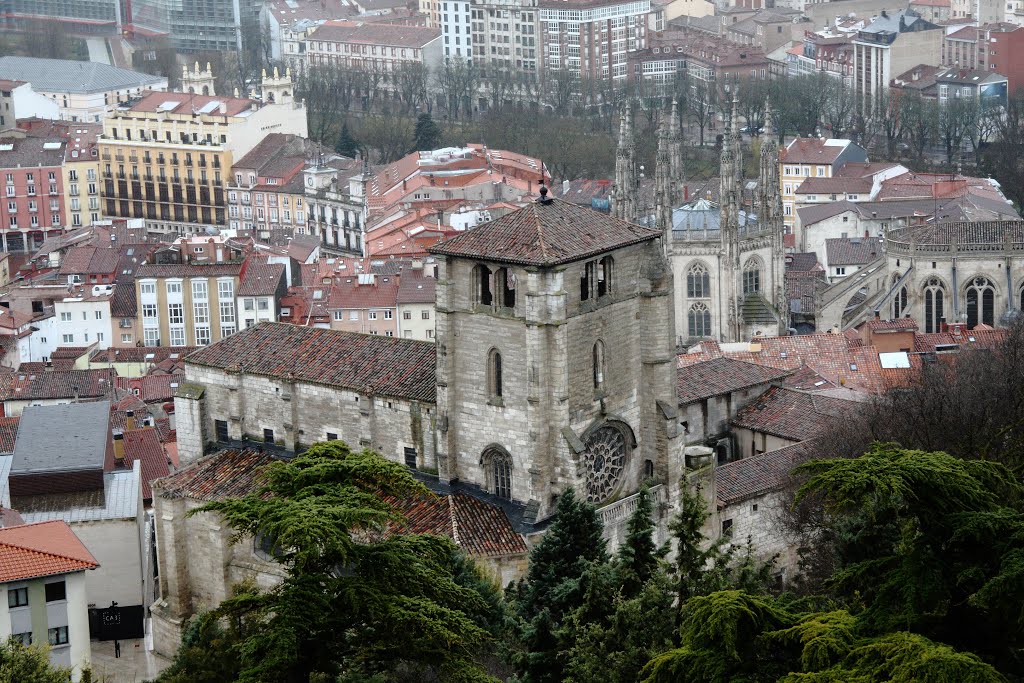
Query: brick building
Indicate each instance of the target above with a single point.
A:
(33, 200)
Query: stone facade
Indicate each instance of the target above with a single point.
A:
(299, 414)
(198, 566)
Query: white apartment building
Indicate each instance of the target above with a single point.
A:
(456, 29)
(84, 318)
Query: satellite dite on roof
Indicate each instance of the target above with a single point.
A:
(169, 105)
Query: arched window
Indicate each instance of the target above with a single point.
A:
(505, 283)
(752, 276)
(899, 303)
(604, 276)
(981, 302)
(482, 285)
(934, 305)
(497, 465)
(494, 379)
(598, 364)
(699, 321)
(698, 282)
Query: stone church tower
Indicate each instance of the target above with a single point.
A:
(556, 359)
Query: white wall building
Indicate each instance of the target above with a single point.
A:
(84, 319)
(456, 29)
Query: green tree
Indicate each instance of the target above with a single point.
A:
(555, 585)
(928, 543)
(427, 134)
(638, 555)
(20, 663)
(356, 601)
(346, 144)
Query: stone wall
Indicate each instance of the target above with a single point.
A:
(301, 414)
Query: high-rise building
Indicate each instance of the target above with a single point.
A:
(591, 38)
(504, 35)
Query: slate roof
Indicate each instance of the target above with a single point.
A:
(341, 31)
(416, 288)
(545, 234)
(791, 414)
(66, 437)
(30, 551)
(848, 251)
(65, 75)
(719, 376)
(987, 232)
(757, 475)
(31, 152)
(481, 529)
(261, 279)
(383, 366)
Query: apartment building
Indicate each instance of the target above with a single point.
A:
(166, 156)
(378, 47)
(82, 91)
(888, 46)
(19, 101)
(83, 317)
(81, 170)
(997, 47)
(260, 293)
(806, 158)
(506, 36)
(365, 302)
(415, 299)
(44, 597)
(456, 29)
(187, 304)
(591, 38)
(33, 200)
(266, 191)
(335, 192)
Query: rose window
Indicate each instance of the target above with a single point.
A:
(603, 463)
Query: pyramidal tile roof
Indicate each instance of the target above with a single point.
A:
(44, 549)
(545, 234)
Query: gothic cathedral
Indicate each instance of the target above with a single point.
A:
(728, 257)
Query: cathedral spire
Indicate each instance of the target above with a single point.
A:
(675, 149)
(664, 185)
(627, 182)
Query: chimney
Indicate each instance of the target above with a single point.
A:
(119, 447)
(129, 420)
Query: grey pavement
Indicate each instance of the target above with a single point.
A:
(135, 665)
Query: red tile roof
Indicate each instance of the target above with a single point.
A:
(186, 103)
(382, 366)
(63, 384)
(188, 270)
(225, 474)
(853, 251)
(29, 551)
(812, 151)
(719, 376)
(790, 414)
(481, 529)
(8, 433)
(898, 325)
(759, 474)
(546, 234)
(144, 445)
(138, 354)
(347, 293)
(151, 388)
(261, 279)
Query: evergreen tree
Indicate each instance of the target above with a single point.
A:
(346, 144)
(355, 602)
(638, 556)
(428, 135)
(555, 584)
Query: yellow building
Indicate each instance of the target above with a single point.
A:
(82, 174)
(167, 156)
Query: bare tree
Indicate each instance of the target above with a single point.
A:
(390, 136)
(410, 81)
(457, 84)
(955, 118)
(703, 103)
(327, 90)
(920, 120)
(840, 107)
(562, 88)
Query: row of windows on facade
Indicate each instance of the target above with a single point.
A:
(498, 288)
(979, 296)
(153, 136)
(56, 591)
